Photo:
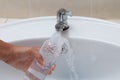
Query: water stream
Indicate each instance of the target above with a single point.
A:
(69, 53)
(70, 58)
(63, 44)
(67, 49)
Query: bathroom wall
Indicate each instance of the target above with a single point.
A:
(105, 9)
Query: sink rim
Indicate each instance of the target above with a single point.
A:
(113, 25)
(54, 17)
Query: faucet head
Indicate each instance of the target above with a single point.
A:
(62, 15)
(61, 26)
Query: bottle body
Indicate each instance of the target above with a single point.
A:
(37, 71)
(50, 51)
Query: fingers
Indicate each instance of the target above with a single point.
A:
(41, 60)
(52, 69)
(38, 56)
(37, 48)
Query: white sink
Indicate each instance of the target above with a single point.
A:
(96, 44)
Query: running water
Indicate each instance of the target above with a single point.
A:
(70, 57)
(50, 51)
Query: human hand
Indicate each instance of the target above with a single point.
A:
(21, 57)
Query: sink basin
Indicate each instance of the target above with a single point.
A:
(96, 45)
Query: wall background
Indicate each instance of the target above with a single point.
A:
(104, 9)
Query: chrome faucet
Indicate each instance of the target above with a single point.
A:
(62, 15)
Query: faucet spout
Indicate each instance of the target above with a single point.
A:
(62, 15)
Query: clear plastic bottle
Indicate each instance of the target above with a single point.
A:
(50, 50)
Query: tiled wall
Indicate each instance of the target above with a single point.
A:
(106, 9)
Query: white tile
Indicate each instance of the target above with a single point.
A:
(34, 8)
(14, 8)
(50, 7)
(106, 9)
